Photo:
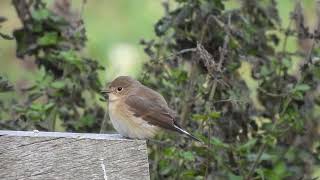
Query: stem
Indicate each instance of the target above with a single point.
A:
(255, 164)
(208, 154)
(223, 51)
(284, 47)
(52, 120)
(189, 94)
(23, 10)
(104, 123)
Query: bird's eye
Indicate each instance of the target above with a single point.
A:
(119, 89)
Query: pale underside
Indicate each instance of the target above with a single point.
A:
(127, 124)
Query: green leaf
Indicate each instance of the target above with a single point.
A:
(215, 115)
(170, 151)
(190, 173)
(36, 107)
(301, 87)
(49, 38)
(33, 115)
(166, 170)
(200, 117)
(71, 57)
(280, 169)
(40, 14)
(270, 139)
(264, 71)
(287, 63)
(248, 145)
(48, 106)
(204, 117)
(298, 95)
(264, 157)
(218, 143)
(58, 84)
(234, 177)
(188, 155)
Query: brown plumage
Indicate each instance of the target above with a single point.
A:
(137, 111)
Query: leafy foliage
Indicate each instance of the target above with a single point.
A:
(223, 72)
(63, 95)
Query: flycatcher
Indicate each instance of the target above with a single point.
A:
(137, 111)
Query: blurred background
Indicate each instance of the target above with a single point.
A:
(114, 29)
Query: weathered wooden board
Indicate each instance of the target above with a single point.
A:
(54, 155)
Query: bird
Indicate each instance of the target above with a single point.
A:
(139, 112)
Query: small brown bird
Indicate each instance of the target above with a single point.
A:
(137, 111)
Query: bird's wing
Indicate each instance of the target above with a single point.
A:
(151, 111)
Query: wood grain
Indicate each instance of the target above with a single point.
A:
(52, 155)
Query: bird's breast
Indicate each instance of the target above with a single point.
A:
(128, 125)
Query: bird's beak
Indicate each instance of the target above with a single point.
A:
(105, 91)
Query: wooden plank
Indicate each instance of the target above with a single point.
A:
(55, 155)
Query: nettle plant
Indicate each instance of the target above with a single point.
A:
(222, 70)
(63, 95)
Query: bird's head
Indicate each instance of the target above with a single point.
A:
(119, 87)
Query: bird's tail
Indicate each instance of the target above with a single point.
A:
(180, 130)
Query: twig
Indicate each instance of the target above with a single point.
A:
(272, 94)
(82, 8)
(223, 51)
(208, 154)
(23, 10)
(185, 110)
(309, 55)
(104, 123)
(188, 97)
(183, 51)
(227, 100)
(284, 47)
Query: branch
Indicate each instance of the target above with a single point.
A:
(23, 10)
(223, 51)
